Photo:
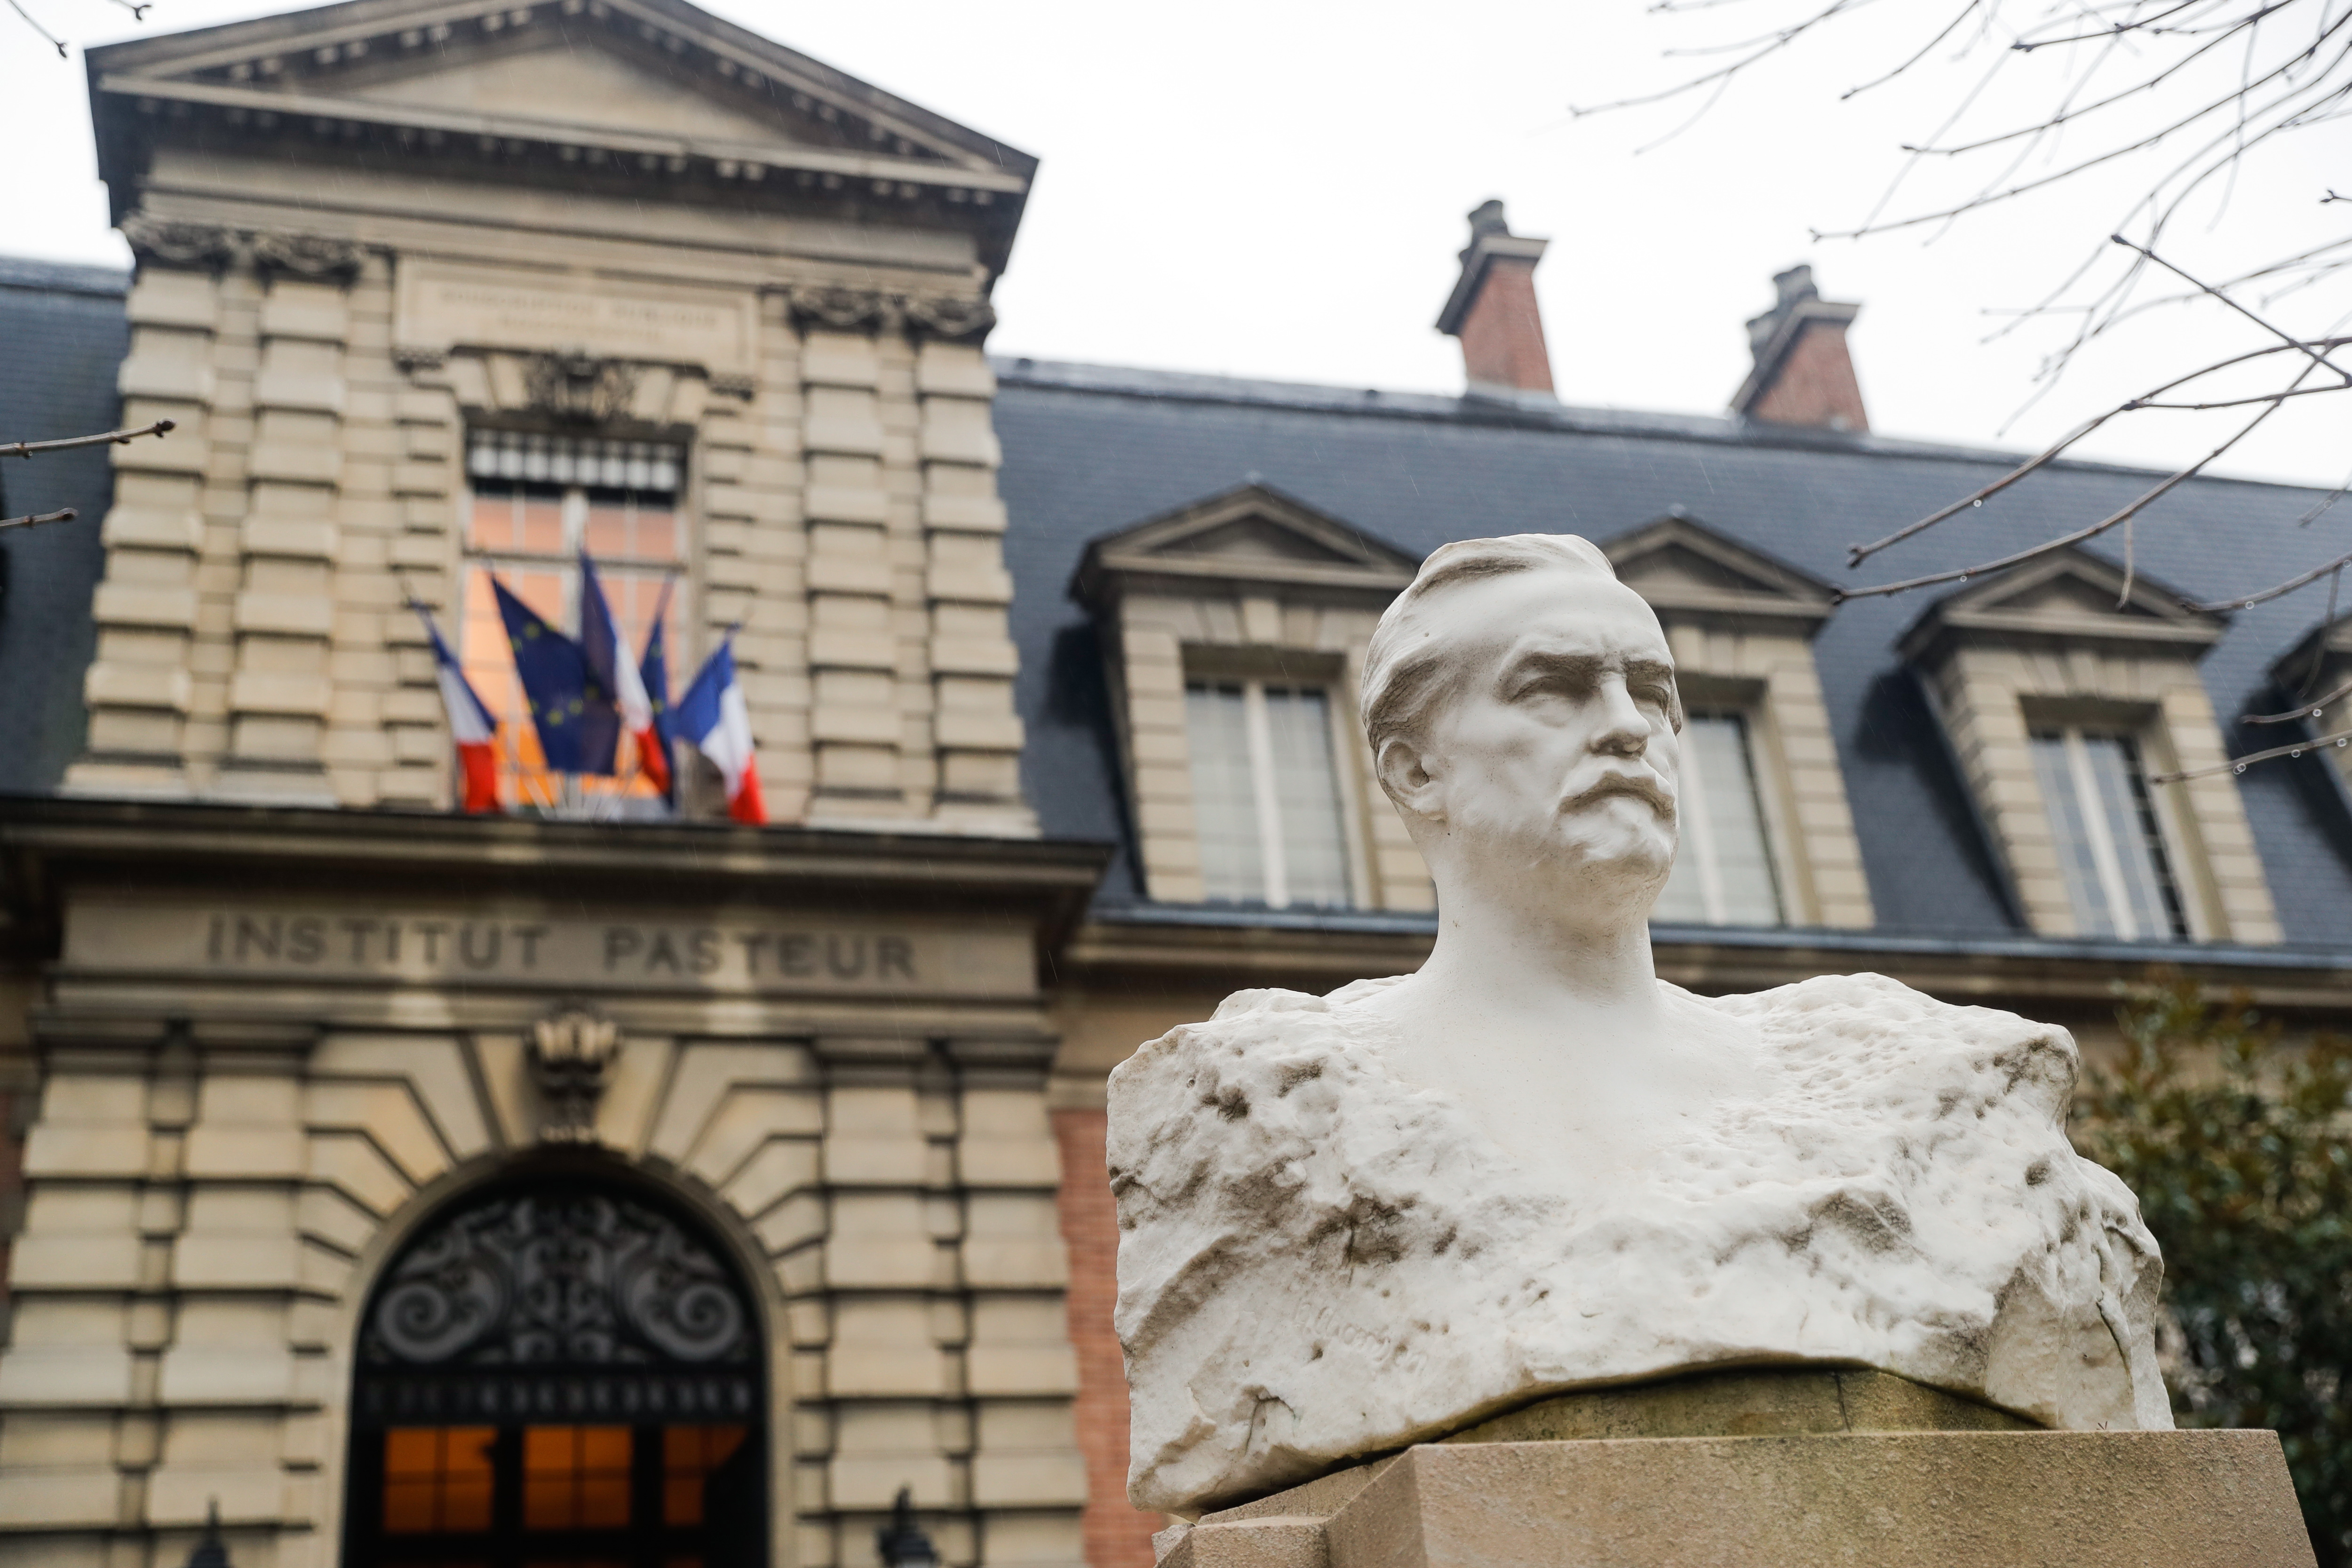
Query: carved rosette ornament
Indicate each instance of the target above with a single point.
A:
(220, 245)
(572, 1055)
(580, 388)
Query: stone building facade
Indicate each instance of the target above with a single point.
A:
(586, 1184)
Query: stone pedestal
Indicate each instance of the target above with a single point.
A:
(1838, 1470)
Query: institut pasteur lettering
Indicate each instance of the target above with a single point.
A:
(618, 1174)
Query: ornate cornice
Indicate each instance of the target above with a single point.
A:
(221, 246)
(950, 318)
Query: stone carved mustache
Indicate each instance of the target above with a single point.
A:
(1642, 785)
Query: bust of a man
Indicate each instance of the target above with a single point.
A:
(1358, 1221)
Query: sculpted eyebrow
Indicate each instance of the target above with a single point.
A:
(1539, 664)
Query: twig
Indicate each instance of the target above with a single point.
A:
(2248, 601)
(2281, 333)
(39, 517)
(111, 437)
(1963, 573)
(2240, 764)
(1858, 554)
(58, 43)
(2311, 709)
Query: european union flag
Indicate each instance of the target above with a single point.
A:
(578, 725)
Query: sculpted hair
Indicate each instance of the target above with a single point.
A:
(1406, 666)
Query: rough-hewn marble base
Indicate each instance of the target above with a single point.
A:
(1770, 1468)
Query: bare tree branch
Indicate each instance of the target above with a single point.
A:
(2311, 710)
(111, 437)
(2248, 601)
(2240, 764)
(37, 519)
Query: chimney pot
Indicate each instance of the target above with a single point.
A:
(1492, 310)
(1803, 373)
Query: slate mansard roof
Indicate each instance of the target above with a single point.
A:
(62, 333)
(1090, 449)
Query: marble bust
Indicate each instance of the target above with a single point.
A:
(1353, 1222)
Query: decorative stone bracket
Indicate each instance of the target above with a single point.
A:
(221, 246)
(571, 1052)
(948, 318)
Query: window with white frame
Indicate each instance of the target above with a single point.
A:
(1265, 794)
(535, 502)
(1723, 870)
(2110, 847)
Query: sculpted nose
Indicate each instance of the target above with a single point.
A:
(1624, 730)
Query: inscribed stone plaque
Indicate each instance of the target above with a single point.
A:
(731, 952)
(441, 306)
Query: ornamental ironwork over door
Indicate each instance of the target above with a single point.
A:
(559, 1374)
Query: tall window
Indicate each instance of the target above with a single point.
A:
(2110, 849)
(1723, 871)
(556, 1374)
(536, 502)
(1265, 794)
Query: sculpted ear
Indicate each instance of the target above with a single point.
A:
(1405, 771)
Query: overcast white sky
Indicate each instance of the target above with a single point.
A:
(1278, 189)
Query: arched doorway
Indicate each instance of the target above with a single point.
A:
(559, 1371)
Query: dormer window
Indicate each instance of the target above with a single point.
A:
(1265, 794)
(1723, 871)
(1234, 629)
(2102, 823)
(2065, 689)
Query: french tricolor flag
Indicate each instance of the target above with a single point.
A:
(471, 727)
(713, 717)
(609, 656)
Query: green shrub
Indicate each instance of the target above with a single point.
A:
(2240, 1152)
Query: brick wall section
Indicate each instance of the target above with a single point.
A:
(1502, 335)
(1816, 384)
(1117, 1536)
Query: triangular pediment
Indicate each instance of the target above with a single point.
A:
(2070, 596)
(1688, 570)
(651, 89)
(1252, 533)
(590, 87)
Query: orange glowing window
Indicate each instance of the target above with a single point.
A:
(536, 502)
(437, 1479)
(576, 1478)
(688, 1455)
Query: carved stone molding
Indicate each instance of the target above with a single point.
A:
(220, 246)
(845, 310)
(580, 388)
(180, 243)
(952, 317)
(571, 1053)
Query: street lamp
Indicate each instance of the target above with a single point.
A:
(901, 1544)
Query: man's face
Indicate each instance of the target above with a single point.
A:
(1560, 746)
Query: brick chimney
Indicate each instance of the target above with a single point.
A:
(1803, 374)
(1493, 311)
